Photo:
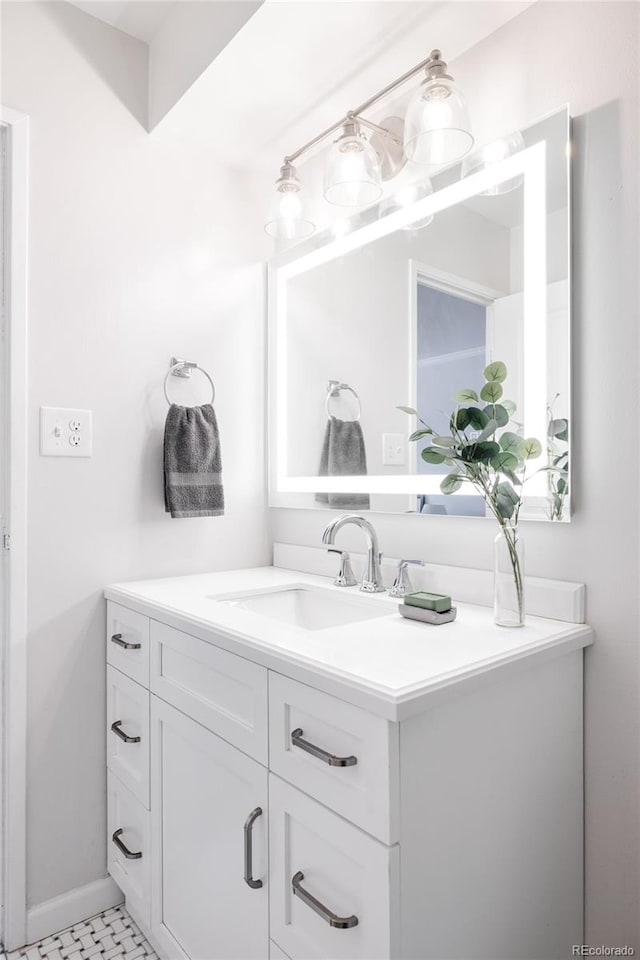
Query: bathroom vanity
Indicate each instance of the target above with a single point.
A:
(296, 771)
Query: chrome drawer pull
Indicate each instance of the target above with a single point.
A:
(319, 753)
(117, 638)
(248, 849)
(115, 726)
(121, 847)
(340, 923)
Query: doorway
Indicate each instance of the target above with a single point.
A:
(13, 542)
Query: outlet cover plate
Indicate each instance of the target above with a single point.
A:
(65, 432)
(393, 449)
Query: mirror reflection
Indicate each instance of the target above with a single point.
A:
(412, 318)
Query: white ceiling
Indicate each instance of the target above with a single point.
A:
(298, 65)
(139, 18)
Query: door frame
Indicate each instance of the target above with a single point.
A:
(14, 410)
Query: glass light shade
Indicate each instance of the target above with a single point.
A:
(288, 219)
(436, 127)
(404, 198)
(352, 177)
(492, 153)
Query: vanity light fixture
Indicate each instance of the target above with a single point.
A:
(436, 132)
(353, 177)
(489, 155)
(288, 219)
(436, 126)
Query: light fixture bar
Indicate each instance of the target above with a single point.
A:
(433, 57)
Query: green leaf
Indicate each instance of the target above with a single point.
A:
(491, 392)
(562, 486)
(444, 441)
(510, 442)
(460, 419)
(509, 406)
(408, 410)
(496, 372)
(515, 479)
(429, 455)
(481, 452)
(488, 431)
(506, 499)
(451, 483)
(505, 507)
(504, 461)
(498, 413)
(466, 396)
(478, 419)
(419, 434)
(530, 448)
(558, 429)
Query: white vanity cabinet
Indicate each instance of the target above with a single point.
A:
(259, 817)
(204, 900)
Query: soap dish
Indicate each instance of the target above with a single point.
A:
(427, 616)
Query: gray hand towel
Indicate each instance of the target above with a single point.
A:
(343, 455)
(192, 463)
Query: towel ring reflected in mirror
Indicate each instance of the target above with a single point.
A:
(183, 368)
(334, 388)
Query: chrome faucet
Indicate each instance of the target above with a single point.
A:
(372, 580)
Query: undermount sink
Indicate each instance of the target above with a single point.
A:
(306, 607)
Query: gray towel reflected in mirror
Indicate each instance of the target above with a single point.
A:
(343, 455)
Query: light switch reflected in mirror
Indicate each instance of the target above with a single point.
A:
(408, 308)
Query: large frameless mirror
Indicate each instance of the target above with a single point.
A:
(407, 308)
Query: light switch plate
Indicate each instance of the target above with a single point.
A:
(65, 432)
(393, 449)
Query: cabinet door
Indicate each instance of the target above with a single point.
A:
(203, 793)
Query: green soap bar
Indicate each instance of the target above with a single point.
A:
(429, 601)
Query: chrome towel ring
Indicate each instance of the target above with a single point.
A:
(183, 368)
(334, 387)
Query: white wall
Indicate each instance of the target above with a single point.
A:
(188, 41)
(138, 250)
(543, 58)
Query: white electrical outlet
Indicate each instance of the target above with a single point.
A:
(393, 449)
(65, 433)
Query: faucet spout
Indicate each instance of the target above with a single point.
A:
(372, 580)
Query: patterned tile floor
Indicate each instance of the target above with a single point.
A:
(111, 935)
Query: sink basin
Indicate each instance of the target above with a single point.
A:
(306, 607)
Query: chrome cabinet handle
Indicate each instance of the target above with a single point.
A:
(339, 923)
(319, 753)
(115, 726)
(117, 638)
(248, 849)
(125, 850)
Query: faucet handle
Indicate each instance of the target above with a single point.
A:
(402, 583)
(345, 577)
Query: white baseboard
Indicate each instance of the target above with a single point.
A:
(54, 915)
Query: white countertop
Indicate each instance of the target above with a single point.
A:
(389, 665)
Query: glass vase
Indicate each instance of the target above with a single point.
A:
(508, 583)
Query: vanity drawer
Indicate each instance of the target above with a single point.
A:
(225, 693)
(128, 733)
(128, 827)
(364, 792)
(128, 642)
(347, 872)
